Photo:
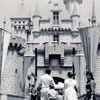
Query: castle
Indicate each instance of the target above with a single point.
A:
(38, 43)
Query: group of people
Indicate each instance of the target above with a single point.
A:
(46, 88)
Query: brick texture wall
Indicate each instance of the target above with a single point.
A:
(97, 74)
(10, 83)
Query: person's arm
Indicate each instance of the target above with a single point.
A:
(93, 87)
(40, 84)
(52, 82)
(76, 87)
(56, 96)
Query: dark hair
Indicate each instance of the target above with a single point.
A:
(90, 73)
(48, 71)
(60, 92)
(70, 75)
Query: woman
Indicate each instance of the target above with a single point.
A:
(90, 87)
(69, 88)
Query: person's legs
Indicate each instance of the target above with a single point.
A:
(44, 93)
(94, 97)
(88, 96)
(33, 97)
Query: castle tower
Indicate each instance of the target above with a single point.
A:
(12, 74)
(36, 18)
(75, 19)
(55, 14)
(29, 55)
(93, 15)
(20, 22)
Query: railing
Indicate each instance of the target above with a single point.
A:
(83, 96)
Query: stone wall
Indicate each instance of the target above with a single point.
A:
(10, 82)
(97, 74)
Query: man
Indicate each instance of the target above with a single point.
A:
(44, 83)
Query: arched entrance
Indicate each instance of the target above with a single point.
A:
(58, 79)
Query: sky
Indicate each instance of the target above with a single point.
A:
(9, 7)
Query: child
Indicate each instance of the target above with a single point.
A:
(52, 93)
(60, 95)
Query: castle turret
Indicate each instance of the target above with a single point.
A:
(55, 19)
(20, 22)
(93, 15)
(11, 82)
(75, 19)
(36, 18)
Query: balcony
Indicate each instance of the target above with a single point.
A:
(57, 49)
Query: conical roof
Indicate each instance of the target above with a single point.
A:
(75, 11)
(37, 12)
(21, 13)
(93, 13)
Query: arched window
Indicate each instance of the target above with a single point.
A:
(15, 27)
(19, 21)
(19, 27)
(16, 71)
(23, 27)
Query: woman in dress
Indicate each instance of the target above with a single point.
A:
(69, 88)
(90, 87)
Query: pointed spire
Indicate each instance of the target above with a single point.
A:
(93, 14)
(4, 22)
(37, 12)
(89, 19)
(21, 13)
(75, 11)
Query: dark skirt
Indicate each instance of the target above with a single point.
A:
(89, 95)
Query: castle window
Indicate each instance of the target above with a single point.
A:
(23, 21)
(15, 21)
(16, 71)
(19, 27)
(55, 37)
(56, 17)
(1, 46)
(19, 21)
(15, 27)
(23, 27)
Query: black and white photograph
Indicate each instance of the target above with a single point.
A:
(49, 50)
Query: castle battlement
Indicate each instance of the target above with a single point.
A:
(17, 41)
(55, 30)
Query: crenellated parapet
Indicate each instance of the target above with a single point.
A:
(55, 30)
(16, 45)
